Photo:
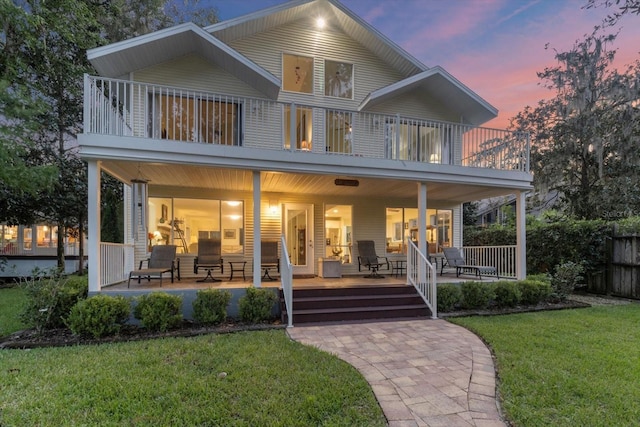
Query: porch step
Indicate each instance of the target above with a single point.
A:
(314, 305)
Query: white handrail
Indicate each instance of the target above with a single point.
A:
(503, 258)
(422, 275)
(286, 281)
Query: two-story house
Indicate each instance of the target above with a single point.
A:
(300, 123)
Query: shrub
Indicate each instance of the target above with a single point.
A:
(506, 293)
(540, 277)
(210, 306)
(449, 295)
(476, 294)
(159, 311)
(565, 279)
(50, 297)
(533, 291)
(99, 316)
(255, 306)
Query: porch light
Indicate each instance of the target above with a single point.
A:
(233, 203)
(139, 202)
(320, 23)
(273, 207)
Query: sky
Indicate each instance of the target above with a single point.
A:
(494, 47)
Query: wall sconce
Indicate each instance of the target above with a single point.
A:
(273, 207)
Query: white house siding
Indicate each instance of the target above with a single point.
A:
(266, 49)
(195, 73)
(369, 220)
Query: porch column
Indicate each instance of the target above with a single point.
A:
(257, 234)
(422, 229)
(422, 217)
(521, 236)
(93, 223)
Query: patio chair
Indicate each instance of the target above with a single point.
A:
(453, 258)
(162, 260)
(209, 258)
(269, 258)
(367, 257)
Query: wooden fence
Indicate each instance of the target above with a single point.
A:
(624, 266)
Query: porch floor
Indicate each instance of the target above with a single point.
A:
(306, 282)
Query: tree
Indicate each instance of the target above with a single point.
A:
(623, 7)
(43, 59)
(584, 140)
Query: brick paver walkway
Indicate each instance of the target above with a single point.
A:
(423, 372)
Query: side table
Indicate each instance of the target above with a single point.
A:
(398, 266)
(237, 266)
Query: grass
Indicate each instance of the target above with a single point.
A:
(567, 368)
(270, 380)
(11, 301)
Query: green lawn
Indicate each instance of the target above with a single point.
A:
(270, 381)
(11, 301)
(567, 368)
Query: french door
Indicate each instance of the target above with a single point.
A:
(298, 226)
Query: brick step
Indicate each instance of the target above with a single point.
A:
(356, 301)
(315, 305)
(354, 290)
(359, 313)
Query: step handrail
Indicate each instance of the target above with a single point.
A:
(286, 281)
(422, 275)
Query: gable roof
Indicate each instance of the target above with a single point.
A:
(211, 43)
(335, 15)
(118, 59)
(448, 90)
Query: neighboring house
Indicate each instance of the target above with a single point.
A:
(495, 210)
(29, 247)
(270, 125)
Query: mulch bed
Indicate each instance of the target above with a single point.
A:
(547, 306)
(63, 337)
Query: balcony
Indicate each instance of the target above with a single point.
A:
(123, 108)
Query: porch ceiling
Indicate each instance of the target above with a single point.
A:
(227, 179)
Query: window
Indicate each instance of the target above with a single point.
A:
(47, 236)
(183, 221)
(8, 239)
(338, 79)
(297, 73)
(418, 141)
(403, 222)
(339, 132)
(196, 119)
(338, 237)
(303, 128)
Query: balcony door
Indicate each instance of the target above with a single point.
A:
(298, 226)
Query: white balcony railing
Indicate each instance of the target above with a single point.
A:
(126, 108)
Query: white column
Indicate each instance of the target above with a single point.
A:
(422, 217)
(422, 229)
(93, 225)
(521, 236)
(257, 234)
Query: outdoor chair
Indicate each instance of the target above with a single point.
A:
(367, 257)
(453, 258)
(209, 258)
(162, 260)
(269, 258)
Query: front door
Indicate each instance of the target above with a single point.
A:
(298, 226)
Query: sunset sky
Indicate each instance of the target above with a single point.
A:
(495, 47)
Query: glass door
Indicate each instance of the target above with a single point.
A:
(298, 226)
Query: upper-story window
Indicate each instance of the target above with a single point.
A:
(418, 141)
(338, 79)
(297, 73)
